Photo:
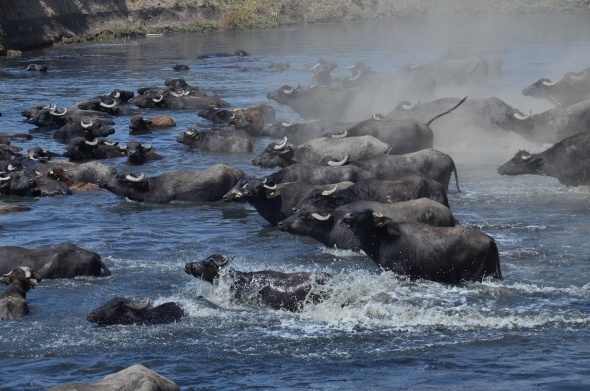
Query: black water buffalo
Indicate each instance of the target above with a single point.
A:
(404, 136)
(451, 72)
(568, 161)
(89, 129)
(13, 301)
(52, 117)
(251, 119)
(138, 154)
(93, 172)
(122, 95)
(430, 162)
(208, 185)
(483, 113)
(326, 228)
(217, 140)
(322, 103)
(298, 133)
(407, 187)
(421, 251)
(38, 154)
(273, 289)
(317, 174)
(37, 67)
(570, 89)
(317, 150)
(121, 310)
(274, 203)
(80, 148)
(107, 104)
(169, 99)
(17, 183)
(139, 125)
(64, 260)
(553, 125)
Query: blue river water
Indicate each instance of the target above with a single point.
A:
(527, 332)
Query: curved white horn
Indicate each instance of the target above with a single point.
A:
(341, 135)
(410, 106)
(11, 167)
(522, 116)
(355, 75)
(287, 124)
(269, 187)
(340, 162)
(379, 117)
(59, 114)
(132, 178)
(413, 65)
(117, 95)
(548, 83)
(177, 94)
(185, 93)
(579, 77)
(282, 144)
(86, 125)
(107, 106)
(93, 142)
(111, 143)
(288, 91)
(158, 100)
(328, 192)
(4, 176)
(189, 132)
(318, 216)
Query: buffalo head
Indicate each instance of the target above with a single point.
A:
(208, 268)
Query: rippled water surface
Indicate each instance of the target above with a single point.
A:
(529, 331)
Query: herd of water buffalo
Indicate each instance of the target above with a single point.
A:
(347, 177)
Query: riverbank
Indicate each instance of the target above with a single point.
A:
(28, 24)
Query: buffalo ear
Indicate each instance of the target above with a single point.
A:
(392, 228)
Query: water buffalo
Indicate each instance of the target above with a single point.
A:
(484, 113)
(64, 260)
(13, 302)
(17, 183)
(207, 185)
(451, 72)
(89, 129)
(273, 289)
(217, 140)
(107, 104)
(169, 99)
(138, 154)
(421, 251)
(568, 161)
(140, 125)
(326, 228)
(317, 174)
(316, 150)
(322, 103)
(570, 89)
(251, 119)
(298, 133)
(119, 310)
(404, 136)
(430, 162)
(553, 125)
(274, 202)
(136, 377)
(37, 67)
(80, 148)
(407, 187)
(93, 172)
(122, 95)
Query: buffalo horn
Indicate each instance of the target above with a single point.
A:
(269, 187)
(132, 178)
(549, 83)
(86, 125)
(111, 143)
(11, 167)
(185, 93)
(579, 77)
(288, 91)
(158, 99)
(107, 106)
(59, 113)
(221, 263)
(379, 117)
(177, 94)
(409, 106)
(377, 215)
(341, 135)
(521, 116)
(318, 216)
(328, 192)
(117, 95)
(340, 162)
(287, 124)
(189, 132)
(413, 65)
(93, 142)
(139, 307)
(355, 75)
(282, 144)
(4, 176)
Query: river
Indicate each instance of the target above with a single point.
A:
(527, 332)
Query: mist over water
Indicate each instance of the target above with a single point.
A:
(375, 331)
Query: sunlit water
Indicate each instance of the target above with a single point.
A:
(529, 331)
